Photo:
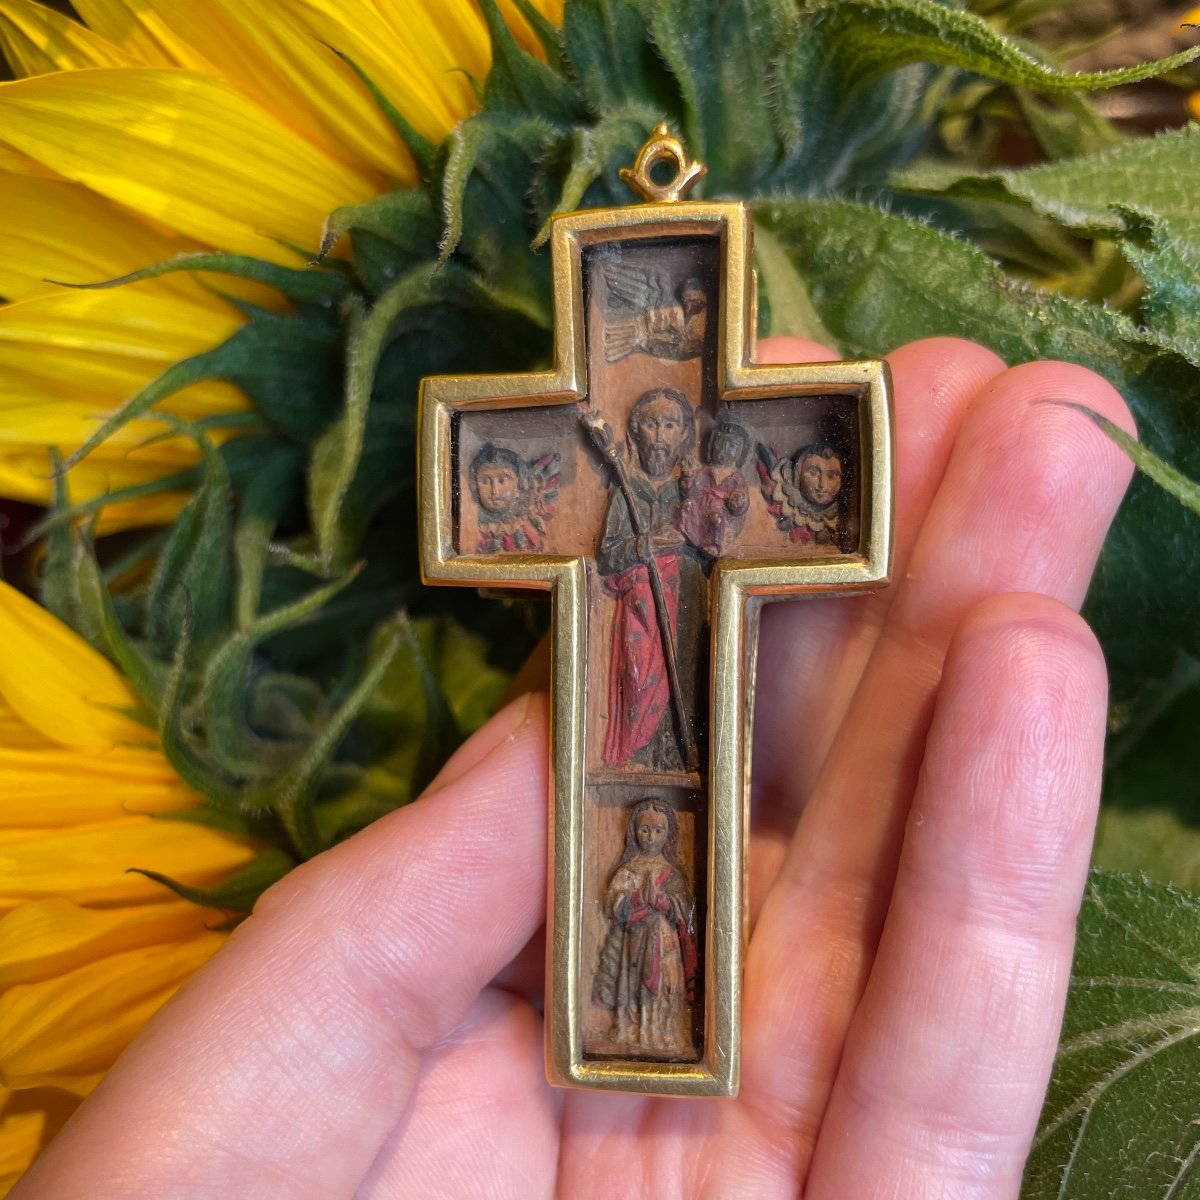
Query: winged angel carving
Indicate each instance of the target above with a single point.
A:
(516, 498)
(648, 313)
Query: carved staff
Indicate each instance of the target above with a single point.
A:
(602, 438)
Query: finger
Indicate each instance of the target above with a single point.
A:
(1024, 504)
(783, 348)
(949, 1054)
(813, 653)
(477, 747)
(485, 1080)
(288, 1059)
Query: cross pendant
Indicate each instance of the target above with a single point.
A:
(661, 487)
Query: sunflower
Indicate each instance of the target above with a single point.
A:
(157, 129)
(88, 949)
(149, 131)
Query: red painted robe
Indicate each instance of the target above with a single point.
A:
(639, 688)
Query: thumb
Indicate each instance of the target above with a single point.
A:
(294, 1052)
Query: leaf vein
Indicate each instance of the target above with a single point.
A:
(1179, 1018)
(1131, 981)
(1138, 936)
(1085, 1102)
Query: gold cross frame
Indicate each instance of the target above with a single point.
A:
(515, 471)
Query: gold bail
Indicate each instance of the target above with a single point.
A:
(663, 147)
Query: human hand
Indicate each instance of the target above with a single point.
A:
(927, 764)
(668, 535)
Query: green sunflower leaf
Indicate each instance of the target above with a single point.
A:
(1170, 265)
(351, 474)
(194, 569)
(272, 489)
(240, 892)
(337, 452)
(718, 56)
(146, 675)
(1093, 193)
(404, 221)
(291, 796)
(1068, 127)
(440, 687)
(1120, 1117)
(177, 742)
(612, 59)
(223, 698)
(520, 83)
(490, 162)
(547, 34)
(289, 365)
(878, 280)
(1150, 819)
(601, 149)
(788, 308)
(430, 735)
(179, 481)
(58, 591)
(881, 35)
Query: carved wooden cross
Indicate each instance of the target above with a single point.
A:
(660, 486)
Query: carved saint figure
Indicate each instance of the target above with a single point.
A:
(641, 723)
(715, 496)
(648, 314)
(802, 492)
(516, 499)
(647, 968)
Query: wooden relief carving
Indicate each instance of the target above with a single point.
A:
(803, 492)
(653, 479)
(646, 977)
(515, 499)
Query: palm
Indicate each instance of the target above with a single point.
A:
(901, 991)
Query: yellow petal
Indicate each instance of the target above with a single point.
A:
(91, 863)
(444, 36)
(55, 229)
(59, 787)
(69, 358)
(14, 162)
(140, 32)
(552, 10)
(35, 39)
(51, 937)
(269, 58)
(414, 73)
(20, 1140)
(1189, 18)
(106, 346)
(28, 1120)
(71, 423)
(16, 734)
(69, 1027)
(26, 475)
(56, 682)
(187, 151)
